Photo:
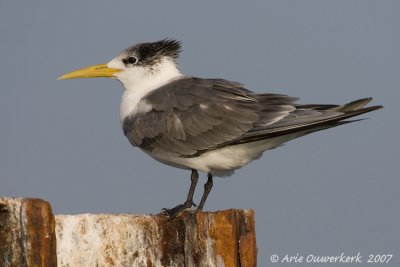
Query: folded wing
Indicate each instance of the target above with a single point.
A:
(191, 116)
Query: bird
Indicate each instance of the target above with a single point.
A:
(215, 126)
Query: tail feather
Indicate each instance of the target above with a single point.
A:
(354, 105)
(346, 111)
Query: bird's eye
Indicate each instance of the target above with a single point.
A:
(132, 60)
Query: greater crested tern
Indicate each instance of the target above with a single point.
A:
(211, 125)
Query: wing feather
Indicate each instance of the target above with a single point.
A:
(191, 116)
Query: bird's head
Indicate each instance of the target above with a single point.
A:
(140, 63)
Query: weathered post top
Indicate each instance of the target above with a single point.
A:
(30, 235)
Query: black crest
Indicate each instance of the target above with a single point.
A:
(150, 53)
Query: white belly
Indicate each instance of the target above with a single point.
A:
(224, 161)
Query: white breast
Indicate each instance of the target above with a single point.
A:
(132, 103)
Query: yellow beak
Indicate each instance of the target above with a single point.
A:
(100, 70)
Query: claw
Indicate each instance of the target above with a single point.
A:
(174, 212)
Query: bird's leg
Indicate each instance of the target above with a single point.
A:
(172, 213)
(207, 189)
(189, 200)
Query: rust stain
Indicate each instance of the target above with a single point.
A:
(247, 247)
(224, 232)
(39, 236)
(190, 235)
(109, 259)
(198, 231)
(172, 242)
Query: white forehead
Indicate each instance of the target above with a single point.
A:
(116, 63)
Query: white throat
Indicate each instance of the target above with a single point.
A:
(138, 82)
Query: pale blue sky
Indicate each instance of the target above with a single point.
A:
(329, 192)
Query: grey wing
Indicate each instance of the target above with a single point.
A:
(192, 115)
(306, 119)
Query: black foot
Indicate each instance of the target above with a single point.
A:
(174, 212)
